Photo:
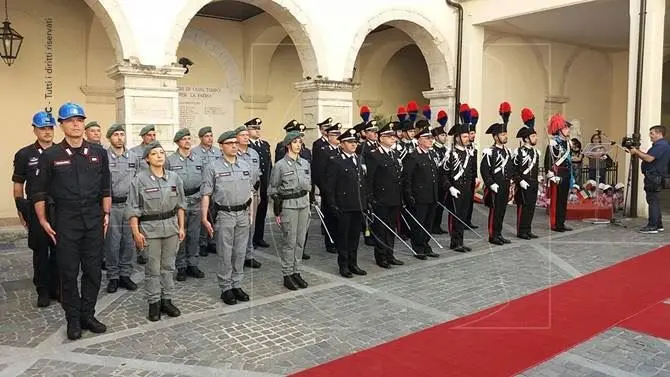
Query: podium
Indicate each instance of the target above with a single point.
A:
(597, 151)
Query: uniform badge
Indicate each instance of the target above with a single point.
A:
(306, 171)
(198, 167)
(178, 167)
(288, 173)
(224, 174)
(174, 188)
(153, 189)
(62, 162)
(131, 165)
(245, 173)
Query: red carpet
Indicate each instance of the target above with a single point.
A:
(654, 321)
(510, 338)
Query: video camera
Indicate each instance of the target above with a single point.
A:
(629, 142)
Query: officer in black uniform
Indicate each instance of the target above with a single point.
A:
(367, 143)
(496, 168)
(438, 152)
(263, 149)
(457, 183)
(319, 174)
(420, 187)
(470, 118)
(347, 198)
(26, 160)
(76, 175)
(526, 167)
(384, 173)
(558, 166)
(280, 149)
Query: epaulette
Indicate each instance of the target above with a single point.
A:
(487, 151)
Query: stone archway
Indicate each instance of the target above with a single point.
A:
(116, 26)
(287, 13)
(422, 31)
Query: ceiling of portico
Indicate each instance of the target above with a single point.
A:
(230, 10)
(600, 24)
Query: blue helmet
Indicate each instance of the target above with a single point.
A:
(43, 119)
(69, 110)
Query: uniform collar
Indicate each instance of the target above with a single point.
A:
(182, 158)
(84, 149)
(38, 147)
(290, 160)
(164, 177)
(113, 155)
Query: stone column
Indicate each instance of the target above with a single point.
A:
(325, 98)
(147, 95)
(441, 99)
(472, 70)
(651, 91)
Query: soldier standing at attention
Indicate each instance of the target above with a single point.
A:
(385, 193)
(228, 184)
(319, 172)
(156, 208)
(470, 118)
(558, 166)
(93, 133)
(345, 189)
(497, 170)
(280, 150)
(76, 176)
(420, 186)
(148, 135)
(189, 167)
(253, 160)
(289, 188)
(439, 151)
(119, 245)
(209, 153)
(317, 147)
(526, 167)
(457, 181)
(261, 147)
(26, 161)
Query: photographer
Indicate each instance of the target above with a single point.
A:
(654, 168)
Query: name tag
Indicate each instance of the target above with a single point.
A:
(254, 160)
(198, 167)
(131, 165)
(174, 188)
(245, 173)
(177, 168)
(94, 159)
(288, 173)
(306, 171)
(112, 164)
(62, 162)
(154, 189)
(224, 174)
(33, 163)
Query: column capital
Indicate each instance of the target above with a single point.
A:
(325, 85)
(557, 99)
(447, 93)
(371, 103)
(256, 101)
(131, 69)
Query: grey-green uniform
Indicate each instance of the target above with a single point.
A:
(208, 155)
(138, 150)
(229, 186)
(155, 201)
(251, 157)
(189, 169)
(290, 184)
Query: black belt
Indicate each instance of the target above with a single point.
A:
(159, 216)
(240, 207)
(119, 199)
(192, 191)
(295, 195)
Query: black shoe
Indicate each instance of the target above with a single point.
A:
(43, 300)
(531, 235)
(369, 241)
(331, 250)
(437, 230)
(93, 325)
(567, 229)
(252, 263)
(181, 274)
(460, 249)
(346, 273)
(126, 283)
(305, 256)
(103, 266)
(141, 260)
(211, 248)
(496, 241)
(168, 308)
(471, 226)
(203, 251)
(523, 236)
(466, 248)
(431, 253)
(395, 262)
(419, 255)
(453, 245)
(299, 280)
(73, 329)
(112, 285)
(357, 270)
(194, 272)
(557, 229)
(228, 297)
(262, 244)
(289, 283)
(383, 264)
(504, 240)
(649, 230)
(240, 295)
(154, 312)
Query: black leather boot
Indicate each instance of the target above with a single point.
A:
(168, 308)
(154, 312)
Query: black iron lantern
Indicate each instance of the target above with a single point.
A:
(10, 41)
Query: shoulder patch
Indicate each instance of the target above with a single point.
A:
(487, 151)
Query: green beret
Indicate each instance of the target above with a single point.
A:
(115, 127)
(290, 136)
(227, 135)
(204, 130)
(91, 124)
(240, 129)
(149, 147)
(147, 129)
(181, 133)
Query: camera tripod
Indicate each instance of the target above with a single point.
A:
(614, 220)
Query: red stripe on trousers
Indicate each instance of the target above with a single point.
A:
(553, 188)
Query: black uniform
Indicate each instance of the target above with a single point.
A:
(263, 149)
(363, 150)
(496, 168)
(45, 268)
(347, 198)
(319, 167)
(438, 152)
(526, 167)
(557, 161)
(77, 179)
(474, 156)
(458, 174)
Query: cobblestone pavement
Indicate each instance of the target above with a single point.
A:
(281, 331)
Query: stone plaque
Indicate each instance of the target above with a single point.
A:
(201, 106)
(152, 110)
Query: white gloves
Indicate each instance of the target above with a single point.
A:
(495, 187)
(556, 180)
(550, 174)
(524, 185)
(454, 192)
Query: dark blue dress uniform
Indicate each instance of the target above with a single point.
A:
(262, 147)
(320, 161)
(438, 152)
(77, 179)
(346, 195)
(45, 268)
(497, 170)
(526, 168)
(558, 166)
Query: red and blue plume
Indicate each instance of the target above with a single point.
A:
(505, 111)
(556, 123)
(442, 118)
(528, 117)
(427, 112)
(402, 113)
(474, 116)
(365, 113)
(464, 112)
(412, 110)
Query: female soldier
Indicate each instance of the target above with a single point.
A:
(156, 205)
(290, 184)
